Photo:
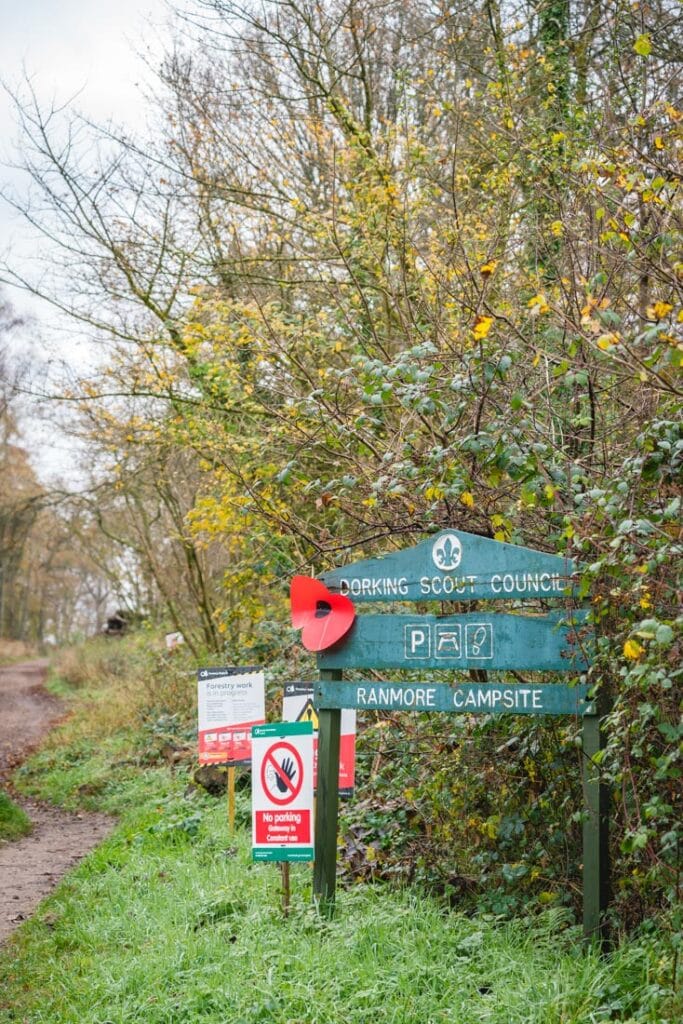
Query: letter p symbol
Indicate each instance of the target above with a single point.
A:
(417, 642)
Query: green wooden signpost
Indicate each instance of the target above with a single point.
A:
(456, 566)
(558, 642)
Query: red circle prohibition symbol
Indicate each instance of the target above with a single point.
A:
(294, 784)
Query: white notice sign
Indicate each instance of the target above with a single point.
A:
(230, 701)
(282, 792)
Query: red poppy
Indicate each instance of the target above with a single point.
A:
(324, 617)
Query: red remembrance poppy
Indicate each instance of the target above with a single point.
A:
(323, 617)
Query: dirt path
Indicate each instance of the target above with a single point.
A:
(32, 866)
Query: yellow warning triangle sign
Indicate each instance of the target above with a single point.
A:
(309, 714)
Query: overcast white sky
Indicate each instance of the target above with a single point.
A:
(92, 48)
(89, 49)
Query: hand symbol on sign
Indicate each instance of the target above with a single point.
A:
(287, 768)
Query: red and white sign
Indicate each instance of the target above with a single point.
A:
(282, 792)
(230, 702)
(297, 706)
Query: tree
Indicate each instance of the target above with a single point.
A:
(392, 267)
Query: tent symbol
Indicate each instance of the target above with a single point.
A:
(308, 714)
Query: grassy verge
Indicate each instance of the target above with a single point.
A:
(169, 922)
(14, 651)
(13, 822)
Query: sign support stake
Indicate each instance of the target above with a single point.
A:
(286, 888)
(327, 805)
(231, 798)
(596, 866)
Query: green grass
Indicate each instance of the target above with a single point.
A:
(170, 922)
(13, 822)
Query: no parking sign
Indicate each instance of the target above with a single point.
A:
(282, 791)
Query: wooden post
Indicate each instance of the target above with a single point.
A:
(596, 866)
(231, 799)
(286, 890)
(327, 804)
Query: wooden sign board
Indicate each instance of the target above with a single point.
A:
(461, 567)
(456, 566)
(559, 642)
(466, 698)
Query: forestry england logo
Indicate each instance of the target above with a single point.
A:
(447, 552)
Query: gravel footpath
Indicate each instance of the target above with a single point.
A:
(31, 867)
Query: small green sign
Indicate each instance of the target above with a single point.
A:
(493, 640)
(302, 853)
(282, 791)
(456, 566)
(278, 729)
(467, 698)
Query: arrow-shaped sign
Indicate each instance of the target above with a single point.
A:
(456, 566)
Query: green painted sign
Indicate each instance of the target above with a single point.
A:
(461, 567)
(260, 854)
(478, 640)
(456, 566)
(467, 698)
(281, 729)
(282, 791)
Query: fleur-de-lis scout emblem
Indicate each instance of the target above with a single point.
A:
(447, 552)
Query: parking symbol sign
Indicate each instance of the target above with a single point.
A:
(417, 642)
(448, 641)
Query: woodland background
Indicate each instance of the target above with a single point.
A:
(378, 269)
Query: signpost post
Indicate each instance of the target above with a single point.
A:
(327, 809)
(460, 567)
(596, 865)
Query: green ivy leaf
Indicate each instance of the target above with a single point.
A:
(664, 635)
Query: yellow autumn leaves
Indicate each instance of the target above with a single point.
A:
(633, 650)
(436, 493)
(482, 327)
(659, 310)
(538, 305)
(643, 45)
